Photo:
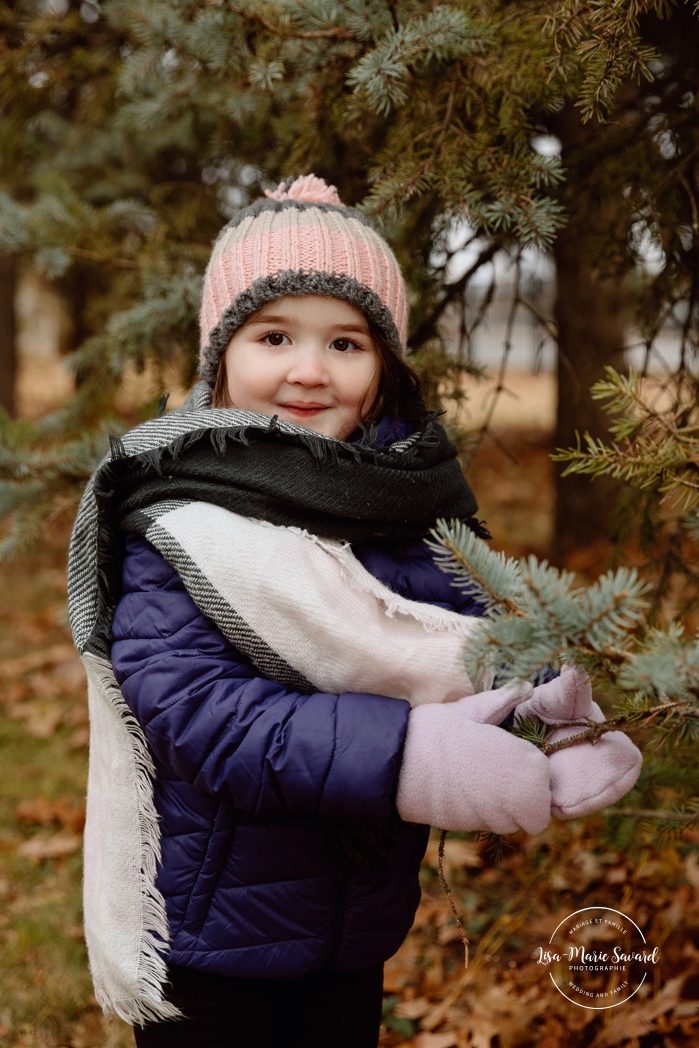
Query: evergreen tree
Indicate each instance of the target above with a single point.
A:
(631, 185)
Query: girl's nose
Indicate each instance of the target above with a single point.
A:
(309, 368)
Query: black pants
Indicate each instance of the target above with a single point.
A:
(326, 1010)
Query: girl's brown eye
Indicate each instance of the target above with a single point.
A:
(275, 338)
(343, 344)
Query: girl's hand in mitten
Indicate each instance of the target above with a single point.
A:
(492, 707)
(565, 698)
(584, 778)
(459, 774)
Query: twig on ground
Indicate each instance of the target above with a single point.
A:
(450, 897)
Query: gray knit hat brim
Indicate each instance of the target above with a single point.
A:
(288, 282)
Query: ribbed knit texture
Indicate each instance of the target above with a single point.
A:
(300, 239)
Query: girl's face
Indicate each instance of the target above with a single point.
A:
(307, 359)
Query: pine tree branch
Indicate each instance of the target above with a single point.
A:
(616, 656)
(676, 171)
(457, 555)
(500, 384)
(629, 721)
(94, 256)
(334, 33)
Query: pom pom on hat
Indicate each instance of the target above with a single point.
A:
(307, 187)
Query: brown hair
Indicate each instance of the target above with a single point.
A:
(397, 395)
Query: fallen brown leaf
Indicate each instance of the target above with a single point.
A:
(35, 660)
(433, 975)
(79, 738)
(70, 673)
(457, 854)
(37, 900)
(414, 1009)
(401, 969)
(480, 1031)
(44, 685)
(89, 1033)
(691, 870)
(434, 1040)
(50, 846)
(690, 950)
(43, 812)
(545, 925)
(10, 694)
(637, 1021)
(500, 1010)
(449, 933)
(579, 872)
(686, 1009)
(427, 910)
(40, 718)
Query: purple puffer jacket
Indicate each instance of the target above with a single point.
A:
(253, 780)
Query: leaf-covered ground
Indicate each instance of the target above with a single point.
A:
(509, 907)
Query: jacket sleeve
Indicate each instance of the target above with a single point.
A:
(212, 719)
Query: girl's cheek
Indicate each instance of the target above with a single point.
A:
(256, 370)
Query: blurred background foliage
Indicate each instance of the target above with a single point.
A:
(130, 131)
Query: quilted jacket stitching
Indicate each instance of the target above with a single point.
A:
(196, 879)
(217, 880)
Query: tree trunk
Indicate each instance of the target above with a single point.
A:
(591, 321)
(591, 317)
(8, 339)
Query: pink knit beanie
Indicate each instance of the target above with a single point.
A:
(298, 240)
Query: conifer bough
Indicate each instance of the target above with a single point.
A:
(536, 618)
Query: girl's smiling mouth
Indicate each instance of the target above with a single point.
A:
(304, 409)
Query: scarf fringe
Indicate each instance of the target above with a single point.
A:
(147, 1003)
(324, 450)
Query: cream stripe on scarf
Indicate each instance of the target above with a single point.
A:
(315, 605)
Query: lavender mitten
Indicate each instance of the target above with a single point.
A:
(584, 778)
(492, 707)
(459, 774)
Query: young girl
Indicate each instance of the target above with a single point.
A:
(278, 706)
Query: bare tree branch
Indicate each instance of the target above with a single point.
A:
(426, 328)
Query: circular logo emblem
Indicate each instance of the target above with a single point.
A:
(598, 958)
